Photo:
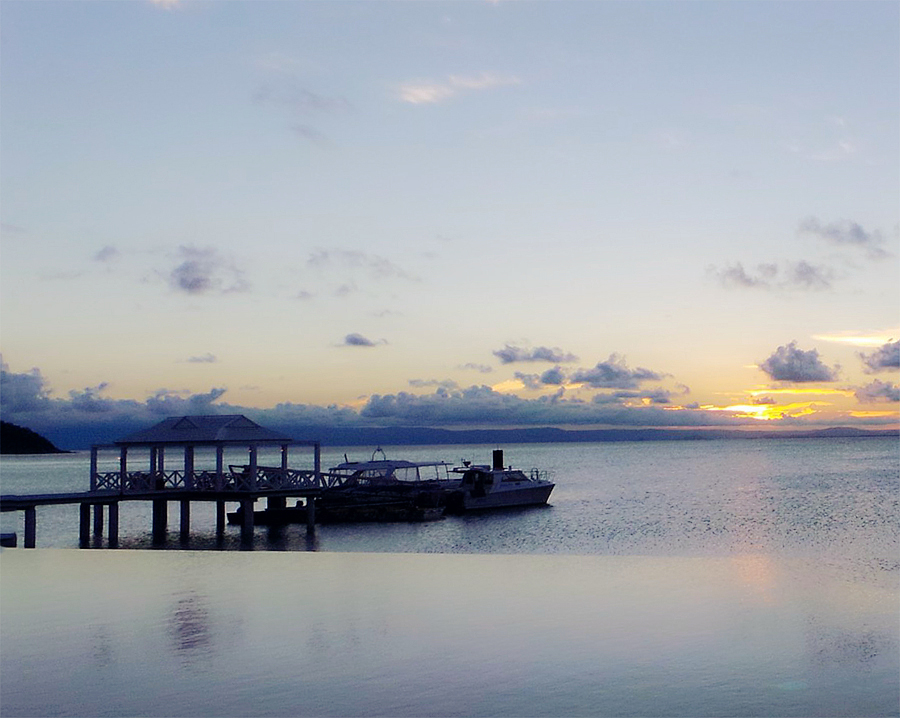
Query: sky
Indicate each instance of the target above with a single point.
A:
(457, 214)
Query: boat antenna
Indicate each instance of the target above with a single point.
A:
(377, 450)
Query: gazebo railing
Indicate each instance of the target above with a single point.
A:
(238, 478)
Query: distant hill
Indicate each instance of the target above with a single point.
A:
(399, 436)
(81, 437)
(19, 440)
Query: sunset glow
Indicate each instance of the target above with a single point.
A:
(391, 214)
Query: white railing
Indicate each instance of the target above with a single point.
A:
(238, 478)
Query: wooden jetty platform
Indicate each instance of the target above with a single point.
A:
(192, 435)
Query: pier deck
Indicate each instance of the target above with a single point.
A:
(243, 483)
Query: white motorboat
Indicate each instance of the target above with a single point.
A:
(496, 486)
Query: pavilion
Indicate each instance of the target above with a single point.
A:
(195, 438)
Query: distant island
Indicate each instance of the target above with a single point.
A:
(412, 436)
(16, 440)
(19, 440)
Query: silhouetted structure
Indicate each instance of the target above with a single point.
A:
(191, 437)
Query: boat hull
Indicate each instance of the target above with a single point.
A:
(524, 496)
(382, 512)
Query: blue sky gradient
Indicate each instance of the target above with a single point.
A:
(451, 213)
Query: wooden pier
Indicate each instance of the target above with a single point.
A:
(244, 483)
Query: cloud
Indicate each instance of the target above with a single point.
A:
(878, 391)
(106, 254)
(555, 376)
(89, 401)
(440, 383)
(310, 133)
(166, 4)
(788, 363)
(345, 290)
(202, 359)
(88, 417)
(846, 233)
(204, 271)
(653, 396)
(510, 354)
(177, 403)
(358, 340)
(552, 377)
(22, 393)
(301, 103)
(345, 259)
(482, 406)
(794, 275)
(614, 374)
(737, 276)
(483, 368)
(804, 275)
(884, 358)
(430, 92)
(860, 338)
(425, 93)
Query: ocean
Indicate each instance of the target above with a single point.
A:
(696, 578)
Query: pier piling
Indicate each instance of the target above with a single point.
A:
(84, 525)
(220, 518)
(114, 524)
(98, 520)
(160, 520)
(185, 520)
(30, 526)
(310, 515)
(247, 521)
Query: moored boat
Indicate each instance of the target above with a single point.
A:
(495, 486)
(424, 483)
(380, 489)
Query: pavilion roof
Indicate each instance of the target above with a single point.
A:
(209, 430)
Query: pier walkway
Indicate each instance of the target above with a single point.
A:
(243, 483)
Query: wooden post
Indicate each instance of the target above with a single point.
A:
(189, 467)
(98, 519)
(161, 464)
(84, 526)
(154, 465)
(317, 464)
(284, 465)
(30, 526)
(123, 468)
(220, 467)
(93, 468)
(311, 500)
(114, 524)
(253, 464)
(310, 514)
(220, 517)
(247, 520)
(160, 520)
(185, 519)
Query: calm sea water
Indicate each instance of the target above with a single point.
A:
(721, 578)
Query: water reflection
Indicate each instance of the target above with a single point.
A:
(189, 624)
(380, 634)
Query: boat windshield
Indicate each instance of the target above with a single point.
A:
(390, 472)
(514, 476)
(477, 475)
